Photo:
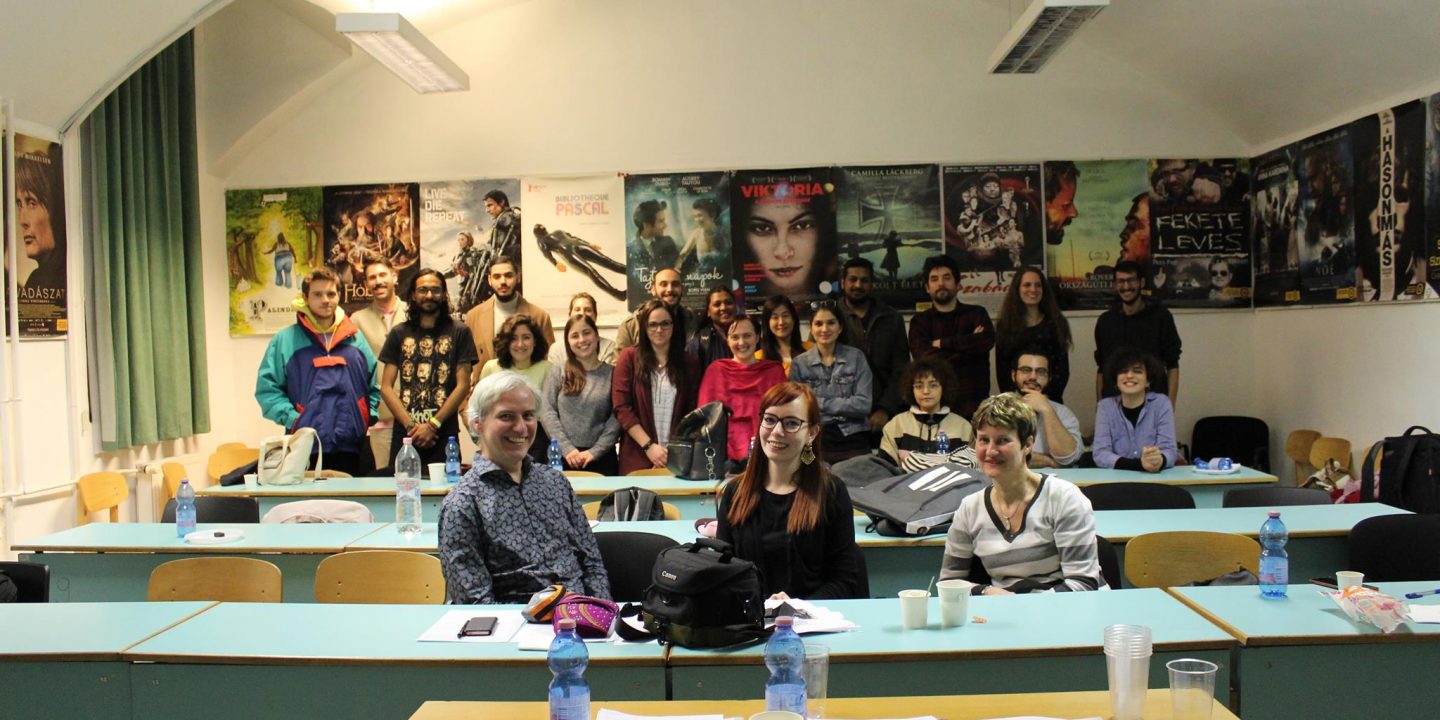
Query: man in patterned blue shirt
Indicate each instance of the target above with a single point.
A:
(512, 526)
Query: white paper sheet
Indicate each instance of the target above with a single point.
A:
(1428, 614)
(448, 626)
(608, 714)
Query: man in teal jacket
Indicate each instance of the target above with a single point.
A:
(320, 373)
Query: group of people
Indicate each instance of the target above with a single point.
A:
(860, 383)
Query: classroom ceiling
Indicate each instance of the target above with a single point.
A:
(1271, 69)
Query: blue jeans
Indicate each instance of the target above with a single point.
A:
(284, 264)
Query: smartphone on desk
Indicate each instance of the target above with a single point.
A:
(482, 626)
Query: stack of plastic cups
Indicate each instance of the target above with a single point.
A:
(1127, 660)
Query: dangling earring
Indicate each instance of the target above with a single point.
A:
(807, 455)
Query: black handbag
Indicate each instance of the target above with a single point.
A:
(698, 444)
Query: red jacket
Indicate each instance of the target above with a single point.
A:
(634, 406)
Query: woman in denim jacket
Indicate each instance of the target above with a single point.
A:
(840, 377)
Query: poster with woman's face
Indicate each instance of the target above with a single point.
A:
(784, 237)
(40, 237)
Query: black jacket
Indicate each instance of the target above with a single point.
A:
(821, 564)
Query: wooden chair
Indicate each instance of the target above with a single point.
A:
(100, 491)
(227, 459)
(1328, 448)
(658, 472)
(1297, 448)
(173, 473)
(1138, 496)
(581, 473)
(1172, 559)
(592, 510)
(223, 579)
(380, 577)
(230, 446)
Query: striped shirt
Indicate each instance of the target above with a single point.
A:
(1054, 550)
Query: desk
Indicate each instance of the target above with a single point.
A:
(695, 499)
(112, 561)
(951, 707)
(251, 660)
(65, 660)
(1046, 642)
(1208, 490)
(1318, 539)
(1302, 657)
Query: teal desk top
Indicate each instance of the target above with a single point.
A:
(1179, 475)
(386, 538)
(1038, 625)
(85, 631)
(385, 486)
(161, 538)
(1304, 616)
(299, 634)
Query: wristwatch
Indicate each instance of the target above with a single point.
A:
(647, 447)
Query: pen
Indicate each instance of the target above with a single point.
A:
(1422, 593)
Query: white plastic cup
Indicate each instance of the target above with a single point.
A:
(914, 608)
(1127, 665)
(1192, 688)
(252, 480)
(1349, 578)
(437, 473)
(954, 602)
(817, 678)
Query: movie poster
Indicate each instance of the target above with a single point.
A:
(575, 241)
(1275, 229)
(680, 221)
(464, 225)
(1200, 232)
(1097, 213)
(41, 243)
(785, 242)
(992, 227)
(1432, 188)
(890, 215)
(272, 241)
(1326, 222)
(366, 222)
(1391, 259)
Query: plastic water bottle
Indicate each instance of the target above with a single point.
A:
(785, 656)
(557, 458)
(452, 460)
(184, 509)
(942, 443)
(1274, 561)
(407, 490)
(568, 658)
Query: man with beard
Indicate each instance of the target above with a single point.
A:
(1132, 322)
(376, 320)
(1061, 177)
(1135, 238)
(960, 334)
(877, 330)
(487, 317)
(443, 354)
(1057, 432)
(1185, 181)
(667, 286)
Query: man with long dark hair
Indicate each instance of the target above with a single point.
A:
(431, 355)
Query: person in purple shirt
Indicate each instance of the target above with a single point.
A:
(1134, 430)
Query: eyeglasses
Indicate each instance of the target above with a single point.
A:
(1037, 372)
(429, 291)
(790, 424)
(662, 325)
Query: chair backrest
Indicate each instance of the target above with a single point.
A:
(592, 510)
(1328, 448)
(1297, 448)
(32, 580)
(1274, 497)
(230, 446)
(100, 491)
(380, 577)
(1246, 440)
(1138, 496)
(629, 559)
(222, 579)
(1109, 562)
(319, 511)
(227, 458)
(1393, 548)
(1172, 559)
(173, 473)
(659, 472)
(218, 510)
(582, 473)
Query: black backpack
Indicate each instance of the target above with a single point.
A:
(701, 596)
(630, 504)
(1409, 471)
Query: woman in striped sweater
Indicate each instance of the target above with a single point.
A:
(1031, 532)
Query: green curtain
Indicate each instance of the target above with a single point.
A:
(147, 308)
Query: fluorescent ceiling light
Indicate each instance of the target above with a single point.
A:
(1043, 28)
(392, 40)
